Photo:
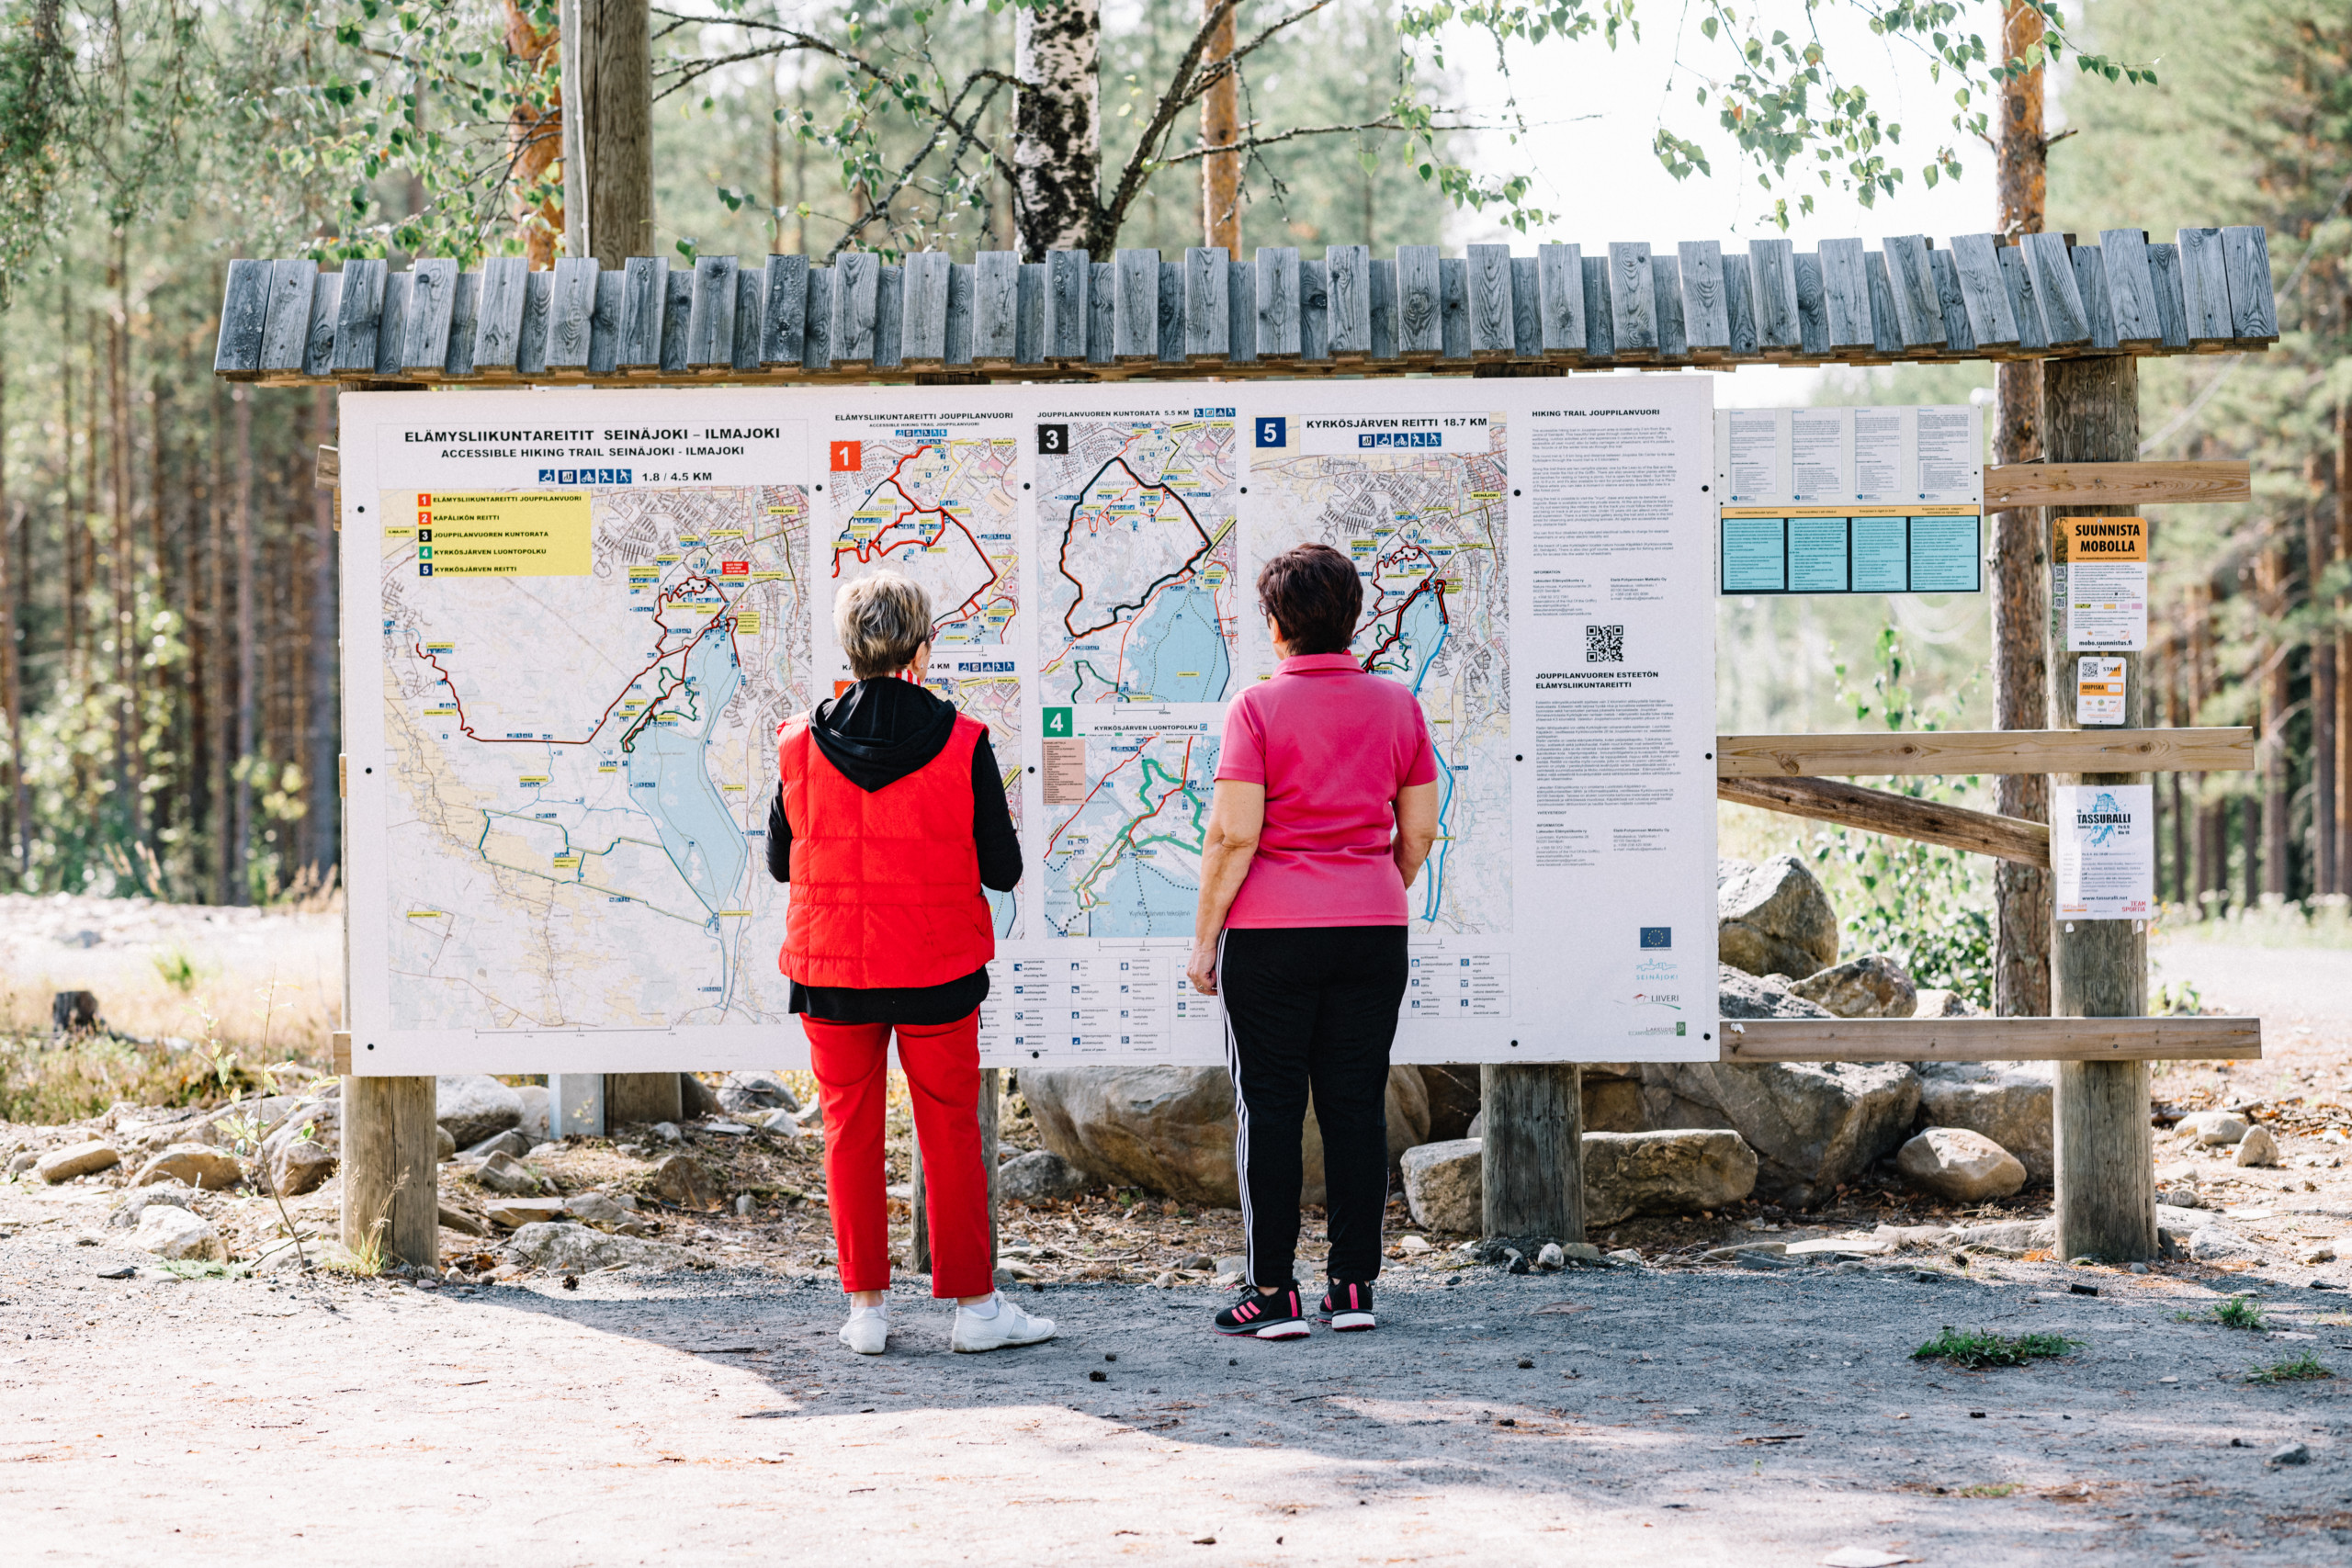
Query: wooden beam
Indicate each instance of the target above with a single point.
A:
(1882, 811)
(1952, 752)
(2116, 484)
(1992, 1039)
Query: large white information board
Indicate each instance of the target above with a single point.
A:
(574, 621)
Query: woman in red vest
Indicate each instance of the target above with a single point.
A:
(889, 818)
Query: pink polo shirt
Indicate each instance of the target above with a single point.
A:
(1332, 745)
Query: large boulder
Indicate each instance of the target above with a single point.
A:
(302, 1150)
(174, 1233)
(1813, 1124)
(562, 1247)
(2006, 1101)
(1739, 995)
(1775, 920)
(471, 1106)
(1170, 1130)
(1444, 1185)
(538, 1112)
(1664, 1173)
(1872, 986)
(1454, 1096)
(77, 1159)
(1612, 1097)
(1964, 1167)
(1936, 1002)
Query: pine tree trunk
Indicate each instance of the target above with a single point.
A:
(11, 598)
(608, 127)
(325, 731)
(1058, 127)
(2343, 658)
(2320, 544)
(127, 750)
(2270, 581)
(240, 887)
(1221, 126)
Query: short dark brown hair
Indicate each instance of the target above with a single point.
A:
(1314, 595)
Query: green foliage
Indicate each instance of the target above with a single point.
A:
(2237, 1312)
(50, 1082)
(2303, 1368)
(1982, 1347)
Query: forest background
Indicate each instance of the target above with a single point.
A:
(168, 667)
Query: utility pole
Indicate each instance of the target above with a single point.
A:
(1221, 126)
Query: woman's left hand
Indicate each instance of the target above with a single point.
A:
(1202, 970)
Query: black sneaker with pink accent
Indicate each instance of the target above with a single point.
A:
(1346, 1308)
(1259, 1316)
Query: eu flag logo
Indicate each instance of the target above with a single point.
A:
(1657, 936)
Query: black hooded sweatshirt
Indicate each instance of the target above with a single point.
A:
(877, 733)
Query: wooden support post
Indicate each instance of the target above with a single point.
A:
(641, 1099)
(918, 1249)
(2105, 1149)
(391, 1178)
(1532, 1168)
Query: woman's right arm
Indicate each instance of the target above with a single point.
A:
(1236, 817)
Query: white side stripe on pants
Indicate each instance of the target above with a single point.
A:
(1240, 1121)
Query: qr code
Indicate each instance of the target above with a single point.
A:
(1604, 645)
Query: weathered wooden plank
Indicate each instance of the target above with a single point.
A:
(2053, 271)
(1029, 336)
(498, 314)
(317, 348)
(1101, 313)
(1420, 309)
(1067, 277)
(1666, 278)
(1918, 304)
(285, 322)
(2116, 484)
(1976, 266)
(604, 334)
(857, 283)
(2172, 311)
(1813, 309)
(817, 330)
(1242, 313)
(1486, 276)
(963, 293)
(2025, 303)
(1134, 323)
(424, 329)
(1886, 334)
(1633, 297)
(1526, 310)
(465, 300)
(1347, 283)
(1278, 307)
(2246, 269)
(784, 323)
(922, 319)
(2090, 282)
(645, 296)
(244, 316)
(391, 337)
(1706, 314)
(710, 313)
(1739, 305)
(1453, 305)
(677, 318)
(1314, 312)
(889, 317)
(1846, 294)
(1991, 1039)
(538, 312)
(1903, 816)
(1957, 751)
(1531, 1181)
(1960, 337)
(996, 307)
(1780, 323)
(1559, 278)
(1170, 311)
(1599, 312)
(2205, 287)
(1208, 311)
(2131, 287)
(359, 319)
(1383, 290)
(751, 294)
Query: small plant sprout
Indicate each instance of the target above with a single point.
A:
(2303, 1367)
(244, 1133)
(1982, 1348)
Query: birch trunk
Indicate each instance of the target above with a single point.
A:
(1057, 126)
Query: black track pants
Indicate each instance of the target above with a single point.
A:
(1311, 1006)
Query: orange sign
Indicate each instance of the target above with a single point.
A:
(2100, 538)
(847, 457)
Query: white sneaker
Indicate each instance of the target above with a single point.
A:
(868, 1330)
(1010, 1325)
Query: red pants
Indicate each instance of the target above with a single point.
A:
(943, 1066)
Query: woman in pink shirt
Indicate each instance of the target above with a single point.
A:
(1326, 806)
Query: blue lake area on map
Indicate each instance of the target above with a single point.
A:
(1139, 900)
(1176, 652)
(698, 827)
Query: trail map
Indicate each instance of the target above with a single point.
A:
(1127, 809)
(938, 506)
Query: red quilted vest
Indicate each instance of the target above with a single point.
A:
(886, 885)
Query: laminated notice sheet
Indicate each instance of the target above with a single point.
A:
(2103, 851)
(2100, 573)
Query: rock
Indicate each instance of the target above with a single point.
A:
(446, 1146)
(2213, 1129)
(1551, 1257)
(1775, 920)
(1477, 1128)
(778, 1123)
(2257, 1147)
(1663, 1173)
(538, 1111)
(501, 1172)
(77, 1159)
(471, 1106)
(1412, 1245)
(297, 1166)
(576, 1249)
(21, 1161)
(514, 1140)
(139, 1199)
(462, 1222)
(1612, 1097)
(2008, 1235)
(1728, 871)
(1966, 1167)
(2291, 1453)
(681, 1179)
(198, 1164)
(2218, 1244)
(513, 1214)
(1454, 1096)
(1442, 1186)
(1872, 986)
(740, 1092)
(1935, 1002)
(1733, 1253)
(696, 1098)
(667, 1132)
(1036, 1177)
(1169, 1130)
(2006, 1101)
(171, 1232)
(607, 1211)
(1747, 996)
(1812, 1125)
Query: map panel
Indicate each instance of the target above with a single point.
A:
(1135, 541)
(1419, 503)
(581, 697)
(986, 685)
(1126, 793)
(938, 504)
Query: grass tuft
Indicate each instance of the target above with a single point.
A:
(1983, 1348)
(2304, 1367)
(2238, 1312)
(1989, 1489)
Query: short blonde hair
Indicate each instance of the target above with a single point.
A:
(881, 623)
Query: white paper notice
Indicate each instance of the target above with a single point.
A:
(1952, 452)
(1820, 467)
(2107, 606)
(2103, 847)
(1882, 437)
(1751, 460)
(2099, 690)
